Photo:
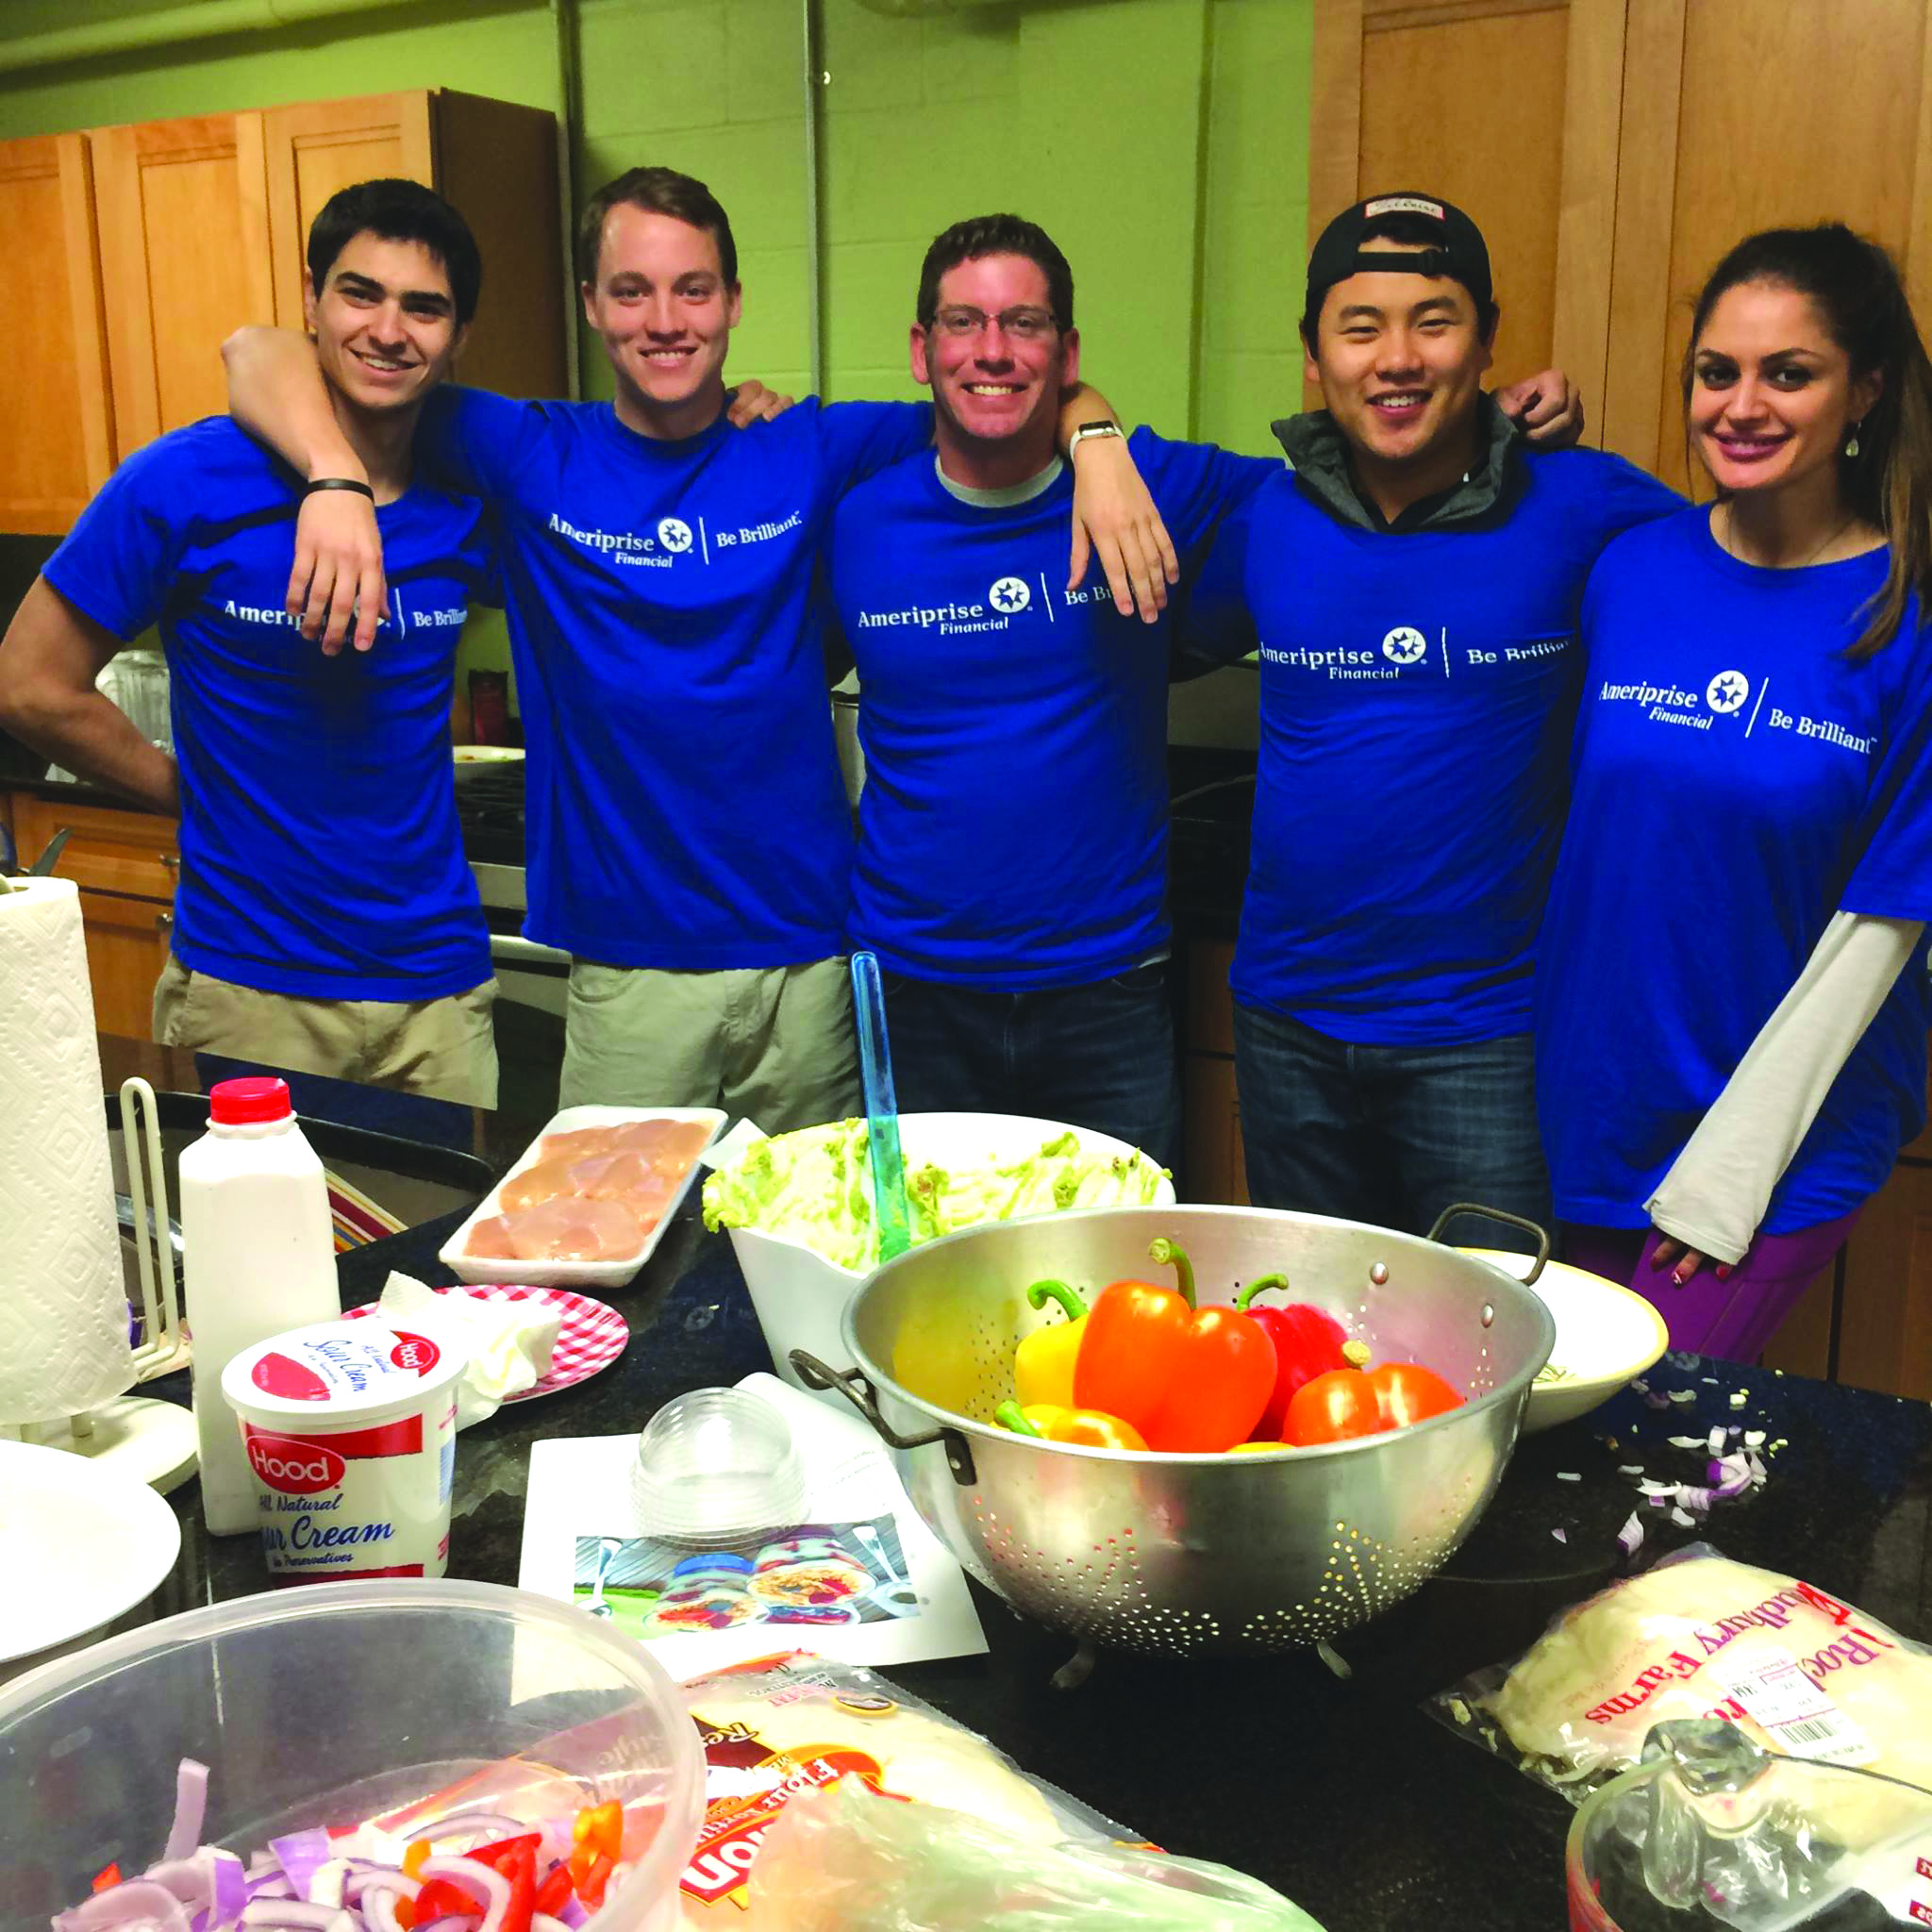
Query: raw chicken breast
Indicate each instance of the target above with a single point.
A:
(579, 1143)
(489, 1239)
(540, 1182)
(670, 1146)
(572, 1229)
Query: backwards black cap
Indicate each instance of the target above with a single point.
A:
(1455, 248)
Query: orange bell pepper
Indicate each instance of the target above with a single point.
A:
(1188, 1378)
(1049, 1423)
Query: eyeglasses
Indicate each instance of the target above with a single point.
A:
(1020, 325)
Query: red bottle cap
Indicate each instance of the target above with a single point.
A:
(260, 1097)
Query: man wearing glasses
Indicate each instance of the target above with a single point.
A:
(1011, 868)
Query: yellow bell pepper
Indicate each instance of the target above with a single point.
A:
(1043, 1362)
(1090, 1428)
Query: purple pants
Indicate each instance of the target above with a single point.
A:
(1732, 1318)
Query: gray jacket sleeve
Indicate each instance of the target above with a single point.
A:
(1718, 1190)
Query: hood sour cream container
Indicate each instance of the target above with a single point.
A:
(349, 1429)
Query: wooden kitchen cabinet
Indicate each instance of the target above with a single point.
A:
(182, 231)
(184, 242)
(1609, 158)
(1885, 1309)
(125, 863)
(56, 449)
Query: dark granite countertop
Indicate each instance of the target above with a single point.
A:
(1342, 1793)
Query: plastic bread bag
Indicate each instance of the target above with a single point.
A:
(782, 1725)
(1697, 1635)
(847, 1859)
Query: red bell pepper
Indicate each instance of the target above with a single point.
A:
(554, 1893)
(1126, 1360)
(1334, 1407)
(106, 1875)
(442, 1896)
(1307, 1342)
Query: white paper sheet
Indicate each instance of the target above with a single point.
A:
(579, 1520)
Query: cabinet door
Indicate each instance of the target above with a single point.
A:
(1702, 164)
(184, 260)
(107, 849)
(319, 146)
(56, 452)
(1508, 109)
(126, 947)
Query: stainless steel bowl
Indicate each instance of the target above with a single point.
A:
(1190, 1553)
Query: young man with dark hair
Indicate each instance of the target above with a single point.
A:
(325, 919)
(1011, 868)
(1416, 584)
(688, 834)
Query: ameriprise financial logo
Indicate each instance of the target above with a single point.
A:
(1725, 696)
(1006, 598)
(671, 539)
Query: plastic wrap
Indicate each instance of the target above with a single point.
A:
(1699, 1636)
(845, 1859)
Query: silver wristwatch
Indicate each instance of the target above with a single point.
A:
(1088, 430)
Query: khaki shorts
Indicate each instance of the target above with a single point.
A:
(446, 1048)
(773, 1044)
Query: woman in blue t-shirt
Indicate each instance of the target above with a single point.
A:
(1733, 1001)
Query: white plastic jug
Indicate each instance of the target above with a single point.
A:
(259, 1255)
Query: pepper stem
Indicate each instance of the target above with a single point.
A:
(1043, 1291)
(1009, 1415)
(1257, 1286)
(1172, 1253)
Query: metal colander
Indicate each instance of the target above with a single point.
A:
(1190, 1553)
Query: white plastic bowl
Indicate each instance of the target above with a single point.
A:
(1606, 1335)
(800, 1297)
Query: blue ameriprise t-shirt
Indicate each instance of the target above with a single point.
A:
(320, 854)
(1418, 694)
(1013, 826)
(1738, 780)
(684, 804)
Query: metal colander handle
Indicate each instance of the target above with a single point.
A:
(858, 1392)
(1503, 1214)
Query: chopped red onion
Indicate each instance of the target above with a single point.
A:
(1562, 1536)
(571, 1913)
(1631, 1535)
(132, 1906)
(190, 1807)
(302, 1854)
(289, 1911)
(379, 1878)
(1653, 1400)
(231, 1892)
(1683, 1519)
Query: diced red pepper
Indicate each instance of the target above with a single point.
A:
(518, 1863)
(591, 1885)
(493, 1855)
(554, 1893)
(106, 1875)
(440, 1896)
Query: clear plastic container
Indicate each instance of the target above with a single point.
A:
(717, 1466)
(339, 1703)
(1711, 1831)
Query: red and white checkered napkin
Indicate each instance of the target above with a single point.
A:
(592, 1336)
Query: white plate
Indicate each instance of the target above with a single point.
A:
(576, 1274)
(1605, 1334)
(79, 1544)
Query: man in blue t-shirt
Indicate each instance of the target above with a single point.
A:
(325, 918)
(689, 835)
(1011, 865)
(1416, 584)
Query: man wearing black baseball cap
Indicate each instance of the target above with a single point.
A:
(1416, 581)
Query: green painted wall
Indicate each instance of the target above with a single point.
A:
(1162, 143)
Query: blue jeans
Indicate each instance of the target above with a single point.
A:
(1391, 1135)
(1100, 1056)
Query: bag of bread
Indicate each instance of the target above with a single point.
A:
(1697, 1635)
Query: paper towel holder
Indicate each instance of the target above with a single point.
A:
(151, 1440)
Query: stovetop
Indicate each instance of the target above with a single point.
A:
(489, 810)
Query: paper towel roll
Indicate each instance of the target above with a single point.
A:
(63, 1308)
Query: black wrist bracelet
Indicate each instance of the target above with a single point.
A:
(316, 483)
